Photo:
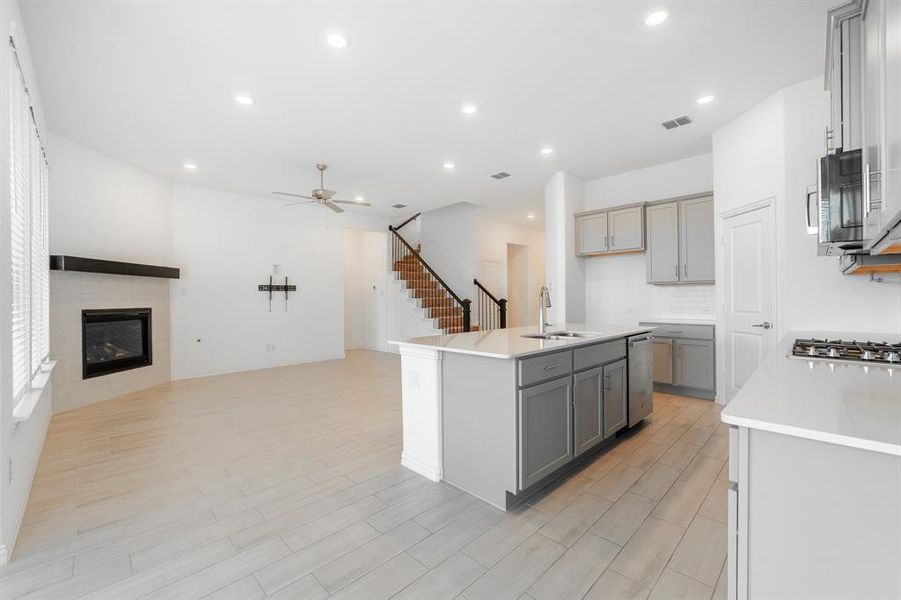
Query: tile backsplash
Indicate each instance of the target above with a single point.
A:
(683, 300)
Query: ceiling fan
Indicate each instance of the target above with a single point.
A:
(322, 196)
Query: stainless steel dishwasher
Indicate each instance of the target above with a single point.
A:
(641, 386)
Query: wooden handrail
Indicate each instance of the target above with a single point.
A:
(484, 289)
(413, 218)
(422, 261)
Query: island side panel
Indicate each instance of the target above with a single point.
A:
(479, 425)
(824, 520)
(421, 392)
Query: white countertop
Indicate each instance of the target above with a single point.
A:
(509, 343)
(701, 320)
(838, 402)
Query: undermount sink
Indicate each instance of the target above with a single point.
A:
(557, 335)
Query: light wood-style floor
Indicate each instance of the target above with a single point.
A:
(286, 483)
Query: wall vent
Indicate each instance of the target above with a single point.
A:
(501, 175)
(677, 122)
(399, 206)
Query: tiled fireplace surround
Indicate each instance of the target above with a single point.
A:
(70, 293)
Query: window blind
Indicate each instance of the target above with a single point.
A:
(29, 250)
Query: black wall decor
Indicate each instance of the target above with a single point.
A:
(277, 287)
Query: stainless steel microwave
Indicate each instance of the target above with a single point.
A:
(838, 212)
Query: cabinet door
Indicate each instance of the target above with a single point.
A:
(663, 243)
(696, 245)
(873, 117)
(891, 196)
(588, 409)
(694, 364)
(626, 228)
(592, 232)
(662, 351)
(545, 430)
(615, 397)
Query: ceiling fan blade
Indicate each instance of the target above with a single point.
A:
(299, 203)
(334, 207)
(294, 195)
(352, 202)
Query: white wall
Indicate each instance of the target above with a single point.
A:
(226, 244)
(365, 289)
(615, 286)
(771, 152)
(20, 445)
(491, 239)
(105, 208)
(448, 244)
(564, 195)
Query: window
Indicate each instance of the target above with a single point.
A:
(29, 250)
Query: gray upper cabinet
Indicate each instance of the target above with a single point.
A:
(615, 397)
(591, 234)
(625, 228)
(545, 429)
(696, 245)
(663, 243)
(588, 409)
(681, 241)
(892, 129)
(694, 363)
(662, 353)
(610, 231)
(873, 53)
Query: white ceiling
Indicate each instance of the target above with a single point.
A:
(152, 83)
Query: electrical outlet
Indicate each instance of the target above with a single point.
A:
(270, 347)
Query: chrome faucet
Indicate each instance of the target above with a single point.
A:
(544, 303)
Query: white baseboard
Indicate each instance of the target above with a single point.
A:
(417, 466)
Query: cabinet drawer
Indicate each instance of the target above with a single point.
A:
(696, 332)
(598, 354)
(544, 367)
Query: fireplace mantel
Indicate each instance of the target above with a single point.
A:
(61, 262)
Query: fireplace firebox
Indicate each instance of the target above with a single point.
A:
(115, 339)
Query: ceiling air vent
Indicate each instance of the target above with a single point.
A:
(677, 122)
(399, 206)
(501, 175)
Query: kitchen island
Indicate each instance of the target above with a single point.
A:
(815, 469)
(500, 413)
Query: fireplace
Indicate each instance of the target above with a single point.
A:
(115, 339)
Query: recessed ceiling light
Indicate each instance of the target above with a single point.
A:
(190, 166)
(547, 150)
(244, 100)
(337, 40)
(469, 109)
(656, 18)
(530, 216)
(706, 99)
(449, 165)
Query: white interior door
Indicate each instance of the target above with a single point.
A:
(749, 265)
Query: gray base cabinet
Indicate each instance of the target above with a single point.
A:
(662, 354)
(588, 409)
(684, 359)
(811, 519)
(545, 429)
(694, 364)
(615, 397)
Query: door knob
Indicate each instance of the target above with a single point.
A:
(765, 325)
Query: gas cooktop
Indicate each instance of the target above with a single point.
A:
(882, 353)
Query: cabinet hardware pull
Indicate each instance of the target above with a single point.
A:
(612, 241)
(685, 270)
(552, 367)
(606, 383)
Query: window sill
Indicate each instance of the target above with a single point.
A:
(25, 406)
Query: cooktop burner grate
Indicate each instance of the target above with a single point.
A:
(869, 352)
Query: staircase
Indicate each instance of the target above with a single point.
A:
(432, 297)
(438, 301)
